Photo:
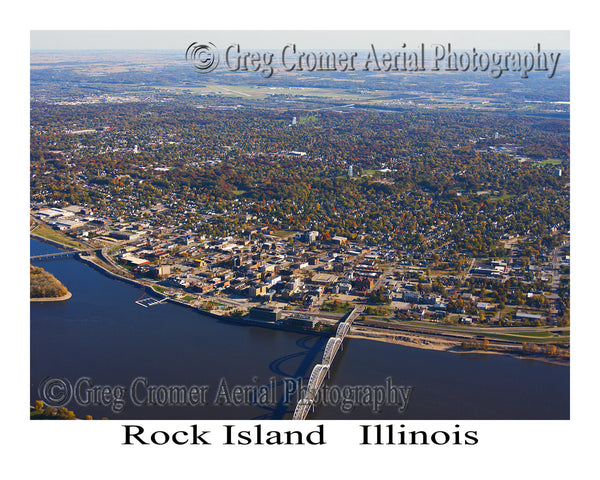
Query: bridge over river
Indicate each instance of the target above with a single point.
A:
(321, 370)
(59, 255)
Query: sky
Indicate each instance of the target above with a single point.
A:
(307, 39)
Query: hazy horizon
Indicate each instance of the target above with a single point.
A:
(154, 40)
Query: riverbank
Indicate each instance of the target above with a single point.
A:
(54, 243)
(428, 343)
(402, 339)
(45, 287)
(226, 318)
(101, 268)
(52, 299)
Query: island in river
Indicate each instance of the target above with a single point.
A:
(45, 287)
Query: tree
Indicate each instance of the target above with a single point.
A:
(379, 297)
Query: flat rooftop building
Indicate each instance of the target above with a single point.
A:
(324, 278)
(54, 212)
(268, 314)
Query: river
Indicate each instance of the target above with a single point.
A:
(110, 357)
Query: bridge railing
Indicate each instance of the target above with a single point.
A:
(302, 409)
(50, 256)
(321, 370)
(331, 349)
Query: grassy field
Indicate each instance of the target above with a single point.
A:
(337, 307)
(535, 334)
(526, 336)
(551, 162)
(56, 236)
(283, 233)
(210, 305)
(260, 92)
(379, 319)
(506, 196)
(307, 119)
(529, 337)
(374, 311)
(442, 273)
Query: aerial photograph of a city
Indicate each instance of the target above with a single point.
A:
(289, 225)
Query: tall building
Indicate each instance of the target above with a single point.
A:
(350, 171)
(309, 236)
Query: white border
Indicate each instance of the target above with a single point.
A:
(506, 449)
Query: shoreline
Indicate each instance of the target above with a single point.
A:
(214, 316)
(52, 299)
(446, 346)
(402, 339)
(54, 243)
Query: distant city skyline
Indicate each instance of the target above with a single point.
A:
(309, 39)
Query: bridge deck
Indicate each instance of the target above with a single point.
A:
(50, 256)
(322, 369)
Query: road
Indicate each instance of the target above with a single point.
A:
(457, 334)
(381, 280)
(555, 271)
